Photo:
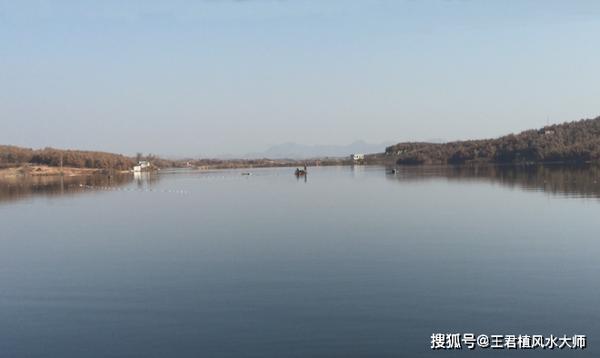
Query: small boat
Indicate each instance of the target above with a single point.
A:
(246, 173)
(300, 172)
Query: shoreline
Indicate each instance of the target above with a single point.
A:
(48, 171)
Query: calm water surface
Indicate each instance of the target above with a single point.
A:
(352, 262)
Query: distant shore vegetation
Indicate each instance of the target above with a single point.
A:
(571, 142)
(42, 161)
(13, 156)
(577, 141)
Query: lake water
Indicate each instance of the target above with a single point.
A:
(351, 262)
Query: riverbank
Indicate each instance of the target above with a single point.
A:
(32, 170)
(45, 170)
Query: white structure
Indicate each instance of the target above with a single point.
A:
(357, 157)
(142, 165)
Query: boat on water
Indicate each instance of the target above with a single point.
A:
(300, 172)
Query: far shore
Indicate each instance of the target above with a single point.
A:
(33, 170)
(45, 170)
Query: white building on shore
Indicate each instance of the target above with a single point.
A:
(357, 157)
(141, 166)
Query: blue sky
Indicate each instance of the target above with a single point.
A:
(218, 76)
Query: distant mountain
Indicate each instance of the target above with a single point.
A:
(301, 151)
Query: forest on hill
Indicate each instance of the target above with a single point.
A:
(577, 141)
(13, 156)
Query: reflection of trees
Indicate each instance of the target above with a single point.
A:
(16, 188)
(557, 179)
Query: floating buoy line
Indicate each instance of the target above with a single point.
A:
(238, 176)
(145, 190)
(207, 176)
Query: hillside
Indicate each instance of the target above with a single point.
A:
(577, 141)
(12, 156)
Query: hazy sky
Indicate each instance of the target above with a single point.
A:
(211, 77)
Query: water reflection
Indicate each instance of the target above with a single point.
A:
(143, 180)
(303, 178)
(572, 181)
(18, 188)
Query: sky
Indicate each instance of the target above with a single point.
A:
(214, 77)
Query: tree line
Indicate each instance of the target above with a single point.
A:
(577, 141)
(13, 156)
